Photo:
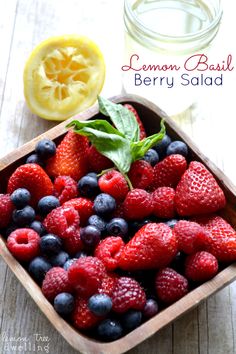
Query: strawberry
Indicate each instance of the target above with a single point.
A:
(168, 172)
(163, 202)
(201, 266)
(32, 177)
(222, 237)
(97, 162)
(153, 246)
(198, 192)
(70, 158)
(141, 127)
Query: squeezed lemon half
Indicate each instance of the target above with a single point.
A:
(63, 76)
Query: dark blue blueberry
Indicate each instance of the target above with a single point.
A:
(34, 158)
(162, 146)
(23, 217)
(80, 254)
(59, 259)
(171, 223)
(90, 236)
(20, 198)
(92, 174)
(38, 227)
(47, 204)
(100, 304)
(98, 222)
(45, 148)
(117, 227)
(88, 186)
(38, 267)
(134, 226)
(131, 320)
(68, 263)
(177, 147)
(152, 157)
(10, 229)
(64, 304)
(178, 262)
(104, 205)
(109, 330)
(150, 309)
(50, 244)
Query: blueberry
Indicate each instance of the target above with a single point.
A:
(88, 186)
(20, 198)
(92, 174)
(24, 216)
(178, 262)
(100, 304)
(45, 148)
(50, 244)
(117, 227)
(90, 236)
(134, 226)
(109, 330)
(34, 158)
(152, 157)
(68, 263)
(80, 254)
(98, 222)
(64, 304)
(150, 309)
(38, 267)
(171, 223)
(104, 205)
(59, 259)
(131, 320)
(177, 147)
(162, 146)
(38, 227)
(47, 204)
(10, 229)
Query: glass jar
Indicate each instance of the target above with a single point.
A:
(165, 33)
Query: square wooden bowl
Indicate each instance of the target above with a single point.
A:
(151, 116)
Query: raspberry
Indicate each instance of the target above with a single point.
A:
(65, 188)
(141, 127)
(72, 242)
(24, 244)
(128, 294)
(108, 251)
(137, 204)
(86, 275)
(97, 161)
(170, 285)
(191, 237)
(82, 317)
(55, 282)
(141, 174)
(114, 183)
(83, 206)
(163, 202)
(6, 209)
(168, 172)
(108, 284)
(201, 266)
(60, 220)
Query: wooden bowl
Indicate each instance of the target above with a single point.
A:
(151, 116)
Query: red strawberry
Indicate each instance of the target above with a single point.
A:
(82, 317)
(32, 177)
(65, 188)
(83, 206)
(114, 183)
(168, 172)
(201, 266)
(97, 162)
(109, 250)
(70, 158)
(141, 127)
(191, 237)
(6, 209)
(24, 244)
(55, 282)
(137, 204)
(222, 237)
(163, 202)
(153, 246)
(141, 174)
(170, 285)
(198, 192)
(128, 294)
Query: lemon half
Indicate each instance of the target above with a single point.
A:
(63, 76)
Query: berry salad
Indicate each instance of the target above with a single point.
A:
(115, 225)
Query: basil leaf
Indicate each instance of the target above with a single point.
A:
(121, 117)
(98, 124)
(139, 149)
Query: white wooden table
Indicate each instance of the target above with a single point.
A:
(210, 328)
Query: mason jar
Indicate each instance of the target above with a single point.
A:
(164, 34)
